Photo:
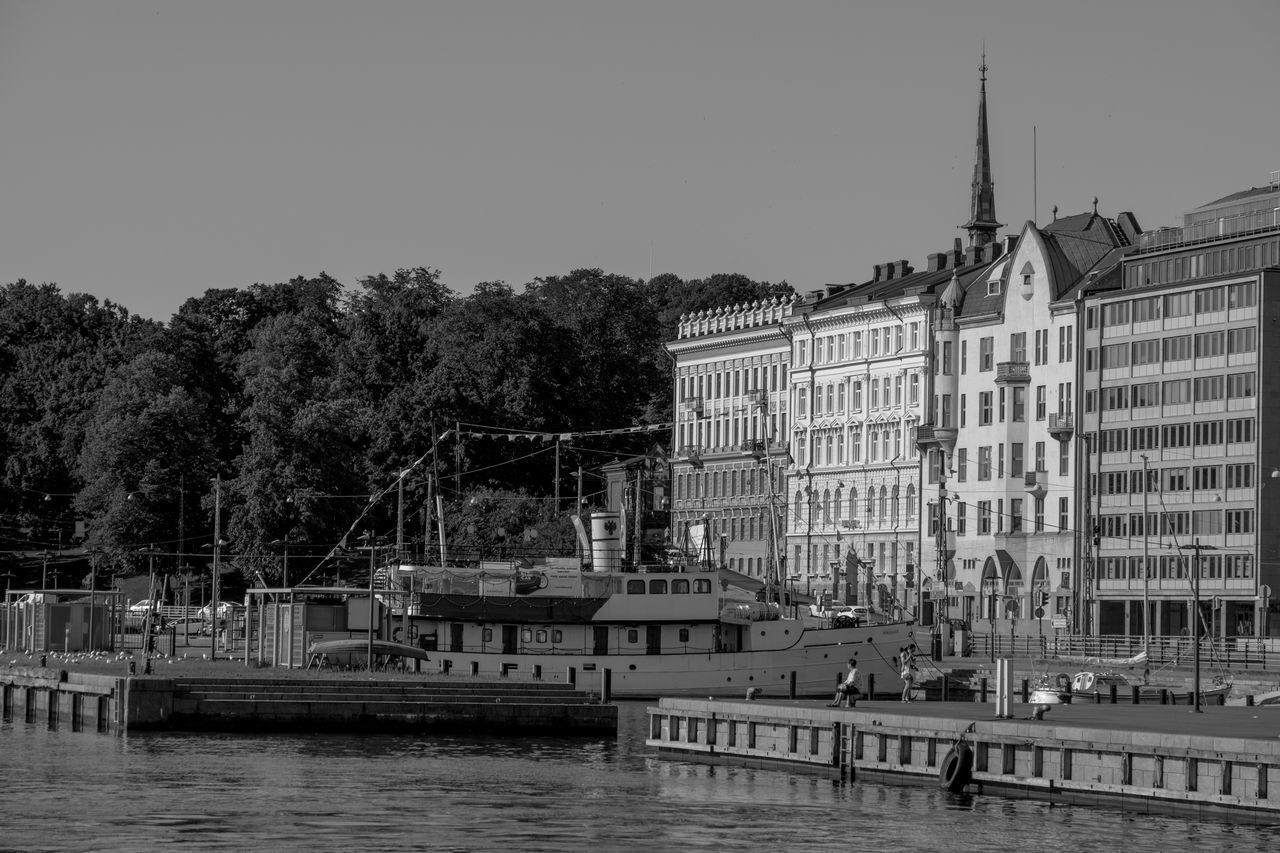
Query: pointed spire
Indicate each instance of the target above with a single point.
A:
(982, 222)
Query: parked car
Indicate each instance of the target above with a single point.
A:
(226, 610)
(143, 606)
(190, 625)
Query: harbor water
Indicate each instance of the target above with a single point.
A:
(75, 791)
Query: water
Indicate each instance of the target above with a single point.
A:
(63, 791)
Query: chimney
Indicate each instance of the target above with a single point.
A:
(997, 249)
(957, 254)
(937, 261)
(1128, 224)
(973, 256)
(814, 295)
(877, 275)
(890, 271)
(1010, 240)
(833, 289)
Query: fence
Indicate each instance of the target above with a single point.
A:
(1231, 652)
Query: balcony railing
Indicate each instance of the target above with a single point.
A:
(1206, 232)
(1013, 371)
(1061, 426)
(692, 454)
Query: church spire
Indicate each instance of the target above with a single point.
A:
(982, 222)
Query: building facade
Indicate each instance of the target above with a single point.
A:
(1181, 370)
(731, 421)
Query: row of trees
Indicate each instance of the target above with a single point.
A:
(303, 399)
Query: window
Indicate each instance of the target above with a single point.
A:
(1002, 404)
(1040, 456)
(1208, 344)
(984, 518)
(680, 587)
(857, 396)
(857, 344)
(635, 587)
(1178, 305)
(1018, 346)
(914, 392)
(1042, 346)
(962, 464)
(1239, 430)
(962, 418)
(1116, 314)
(1019, 403)
(964, 357)
(1205, 477)
(984, 408)
(1240, 385)
(1239, 476)
(1146, 310)
(1242, 340)
(984, 463)
(1146, 394)
(1208, 388)
(946, 357)
(1064, 458)
(1176, 391)
(961, 514)
(1015, 459)
(1115, 355)
(1040, 402)
(993, 287)
(1211, 299)
(1146, 352)
(1242, 295)
(1239, 521)
(1115, 398)
(945, 415)
(1015, 515)
(986, 354)
(1064, 344)
(701, 586)
(1177, 348)
(1064, 519)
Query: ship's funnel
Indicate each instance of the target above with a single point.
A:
(606, 542)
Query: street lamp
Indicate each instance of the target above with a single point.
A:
(1195, 614)
(991, 616)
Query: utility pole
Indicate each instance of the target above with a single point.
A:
(1196, 547)
(556, 484)
(371, 558)
(400, 514)
(1146, 567)
(217, 553)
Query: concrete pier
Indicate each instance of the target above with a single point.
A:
(1148, 758)
(119, 705)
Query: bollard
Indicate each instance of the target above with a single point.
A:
(946, 687)
(133, 667)
(1163, 697)
(871, 686)
(1026, 691)
(606, 686)
(1248, 701)
(791, 690)
(1135, 691)
(1111, 694)
(983, 686)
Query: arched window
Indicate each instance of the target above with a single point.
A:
(893, 510)
(835, 506)
(799, 506)
(911, 503)
(853, 503)
(826, 506)
(884, 504)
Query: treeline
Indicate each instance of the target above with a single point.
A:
(304, 400)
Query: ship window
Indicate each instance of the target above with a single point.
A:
(657, 587)
(633, 636)
(635, 587)
(541, 635)
(557, 635)
(526, 635)
(680, 586)
(684, 635)
(487, 635)
(701, 585)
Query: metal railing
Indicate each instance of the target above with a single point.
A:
(1237, 653)
(1208, 231)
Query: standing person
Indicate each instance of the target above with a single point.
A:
(908, 674)
(851, 688)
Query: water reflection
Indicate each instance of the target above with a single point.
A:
(328, 792)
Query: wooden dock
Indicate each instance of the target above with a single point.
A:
(120, 705)
(1224, 761)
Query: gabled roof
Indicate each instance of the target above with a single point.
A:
(1077, 245)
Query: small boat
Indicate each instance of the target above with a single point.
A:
(355, 652)
(1093, 685)
(1050, 690)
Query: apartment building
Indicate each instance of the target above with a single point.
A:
(730, 373)
(1179, 357)
(1001, 444)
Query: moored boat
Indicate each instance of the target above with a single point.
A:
(660, 631)
(1092, 686)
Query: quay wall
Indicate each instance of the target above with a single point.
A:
(1087, 760)
(119, 705)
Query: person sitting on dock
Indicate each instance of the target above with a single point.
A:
(849, 689)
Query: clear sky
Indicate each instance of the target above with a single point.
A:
(157, 148)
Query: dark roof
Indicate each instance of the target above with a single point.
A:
(923, 282)
(1240, 196)
(1077, 245)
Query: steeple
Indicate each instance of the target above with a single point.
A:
(982, 222)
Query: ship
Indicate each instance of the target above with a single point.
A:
(671, 629)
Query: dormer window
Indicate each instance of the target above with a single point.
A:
(1027, 272)
(993, 287)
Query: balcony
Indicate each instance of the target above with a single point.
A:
(692, 454)
(1037, 483)
(929, 436)
(693, 405)
(1060, 426)
(1013, 373)
(753, 448)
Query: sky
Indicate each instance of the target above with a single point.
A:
(154, 149)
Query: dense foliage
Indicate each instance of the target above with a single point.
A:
(294, 406)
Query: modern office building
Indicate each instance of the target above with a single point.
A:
(1181, 372)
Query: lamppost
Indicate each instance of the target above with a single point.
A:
(93, 593)
(991, 616)
(44, 570)
(284, 568)
(371, 540)
(1195, 613)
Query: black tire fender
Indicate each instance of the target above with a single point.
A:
(957, 768)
